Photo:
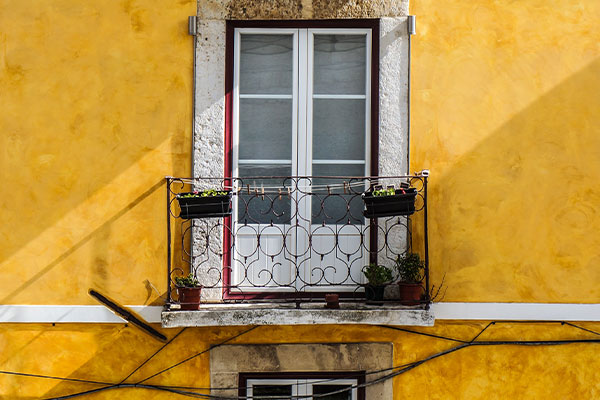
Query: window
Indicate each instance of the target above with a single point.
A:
(327, 385)
(301, 106)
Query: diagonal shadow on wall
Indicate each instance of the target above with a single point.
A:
(517, 216)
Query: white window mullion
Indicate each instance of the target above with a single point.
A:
(303, 202)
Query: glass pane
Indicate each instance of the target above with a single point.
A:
(266, 64)
(333, 206)
(254, 208)
(339, 64)
(265, 129)
(258, 391)
(338, 129)
(323, 389)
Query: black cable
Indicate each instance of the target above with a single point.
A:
(400, 369)
(481, 332)
(70, 396)
(55, 377)
(152, 356)
(422, 333)
(198, 354)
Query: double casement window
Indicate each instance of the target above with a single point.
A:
(301, 107)
(324, 389)
(302, 102)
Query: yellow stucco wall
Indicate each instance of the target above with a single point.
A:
(95, 109)
(109, 353)
(505, 115)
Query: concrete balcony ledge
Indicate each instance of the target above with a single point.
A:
(288, 314)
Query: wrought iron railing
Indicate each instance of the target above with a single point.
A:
(289, 239)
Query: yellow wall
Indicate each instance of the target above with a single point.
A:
(104, 353)
(95, 109)
(505, 114)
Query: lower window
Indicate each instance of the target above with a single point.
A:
(323, 386)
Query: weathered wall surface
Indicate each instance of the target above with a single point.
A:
(109, 353)
(95, 109)
(300, 9)
(505, 114)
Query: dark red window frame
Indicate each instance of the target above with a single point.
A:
(358, 375)
(372, 24)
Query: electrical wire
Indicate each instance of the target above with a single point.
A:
(200, 353)
(397, 370)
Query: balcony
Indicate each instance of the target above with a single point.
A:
(267, 250)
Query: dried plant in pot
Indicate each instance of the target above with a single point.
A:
(378, 276)
(205, 204)
(188, 292)
(411, 270)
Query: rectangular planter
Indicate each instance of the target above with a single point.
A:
(388, 206)
(204, 207)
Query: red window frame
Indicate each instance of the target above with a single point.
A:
(231, 25)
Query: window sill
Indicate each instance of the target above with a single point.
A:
(269, 314)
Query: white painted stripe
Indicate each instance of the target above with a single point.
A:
(72, 314)
(517, 311)
(441, 311)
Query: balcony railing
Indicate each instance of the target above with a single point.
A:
(290, 239)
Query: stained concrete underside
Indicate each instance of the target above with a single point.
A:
(269, 314)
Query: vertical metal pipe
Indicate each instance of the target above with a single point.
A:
(192, 26)
(411, 30)
(168, 239)
(426, 238)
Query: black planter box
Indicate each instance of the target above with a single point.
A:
(374, 293)
(388, 206)
(204, 207)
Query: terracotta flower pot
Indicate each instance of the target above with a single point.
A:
(333, 301)
(189, 297)
(410, 293)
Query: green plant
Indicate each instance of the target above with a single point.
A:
(189, 281)
(390, 191)
(377, 275)
(206, 193)
(410, 268)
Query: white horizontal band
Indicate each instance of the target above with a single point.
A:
(72, 314)
(517, 311)
(441, 311)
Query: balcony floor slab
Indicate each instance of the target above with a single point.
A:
(270, 314)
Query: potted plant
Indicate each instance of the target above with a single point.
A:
(204, 204)
(377, 276)
(188, 292)
(380, 202)
(411, 270)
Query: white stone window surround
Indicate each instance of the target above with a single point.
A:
(228, 361)
(209, 137)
